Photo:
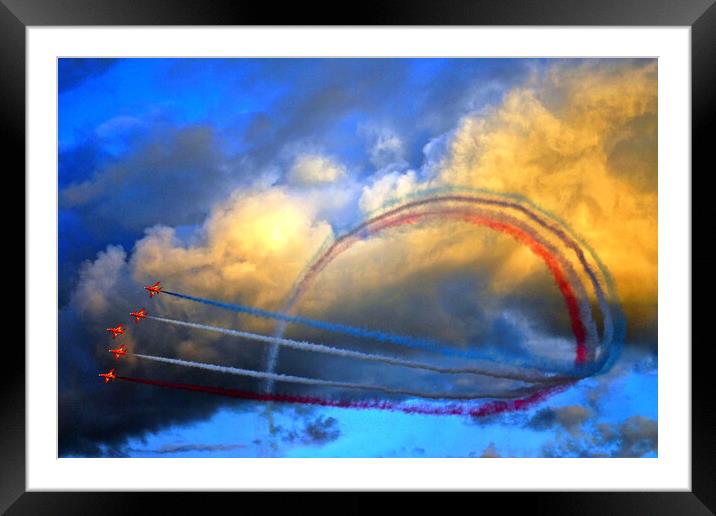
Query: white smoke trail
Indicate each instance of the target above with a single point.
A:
(372, 357)
(277, 377)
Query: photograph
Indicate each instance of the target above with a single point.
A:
(342, 257)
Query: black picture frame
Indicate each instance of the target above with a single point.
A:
(17, 15)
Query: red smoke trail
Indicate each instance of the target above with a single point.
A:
(377, 223)
(453, 409)
(519, 234)
(527, 239)
(553, 265)
(367, 226)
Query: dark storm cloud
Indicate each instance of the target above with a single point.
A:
(77, 163)
(329, 99)
(166, 175)
(171, 178)
(73, 72)
(96, 419)
(322, 96)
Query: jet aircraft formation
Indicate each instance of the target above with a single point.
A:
(119, 330)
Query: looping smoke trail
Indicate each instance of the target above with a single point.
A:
(577, 311)
(373, 225)
(277, 377)
(499, 222)
(364, 229)
(320, 348)
(452, 409)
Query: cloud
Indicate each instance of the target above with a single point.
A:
(568, 140)
(242, 229)
(553, 144)
(570, 418)
(490, 451)
(394, 185)
(97, 279)
(319, 430)
(173, 449)
(634, 437)
(322, 430)
(172, 177)
(251, 248)
(310, 169)
(385, 148)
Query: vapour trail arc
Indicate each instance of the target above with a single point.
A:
(408, 210)
(520, 233)
(383, 221)
(451, 409)
(278, 377)
(559, 266)
(372, 357)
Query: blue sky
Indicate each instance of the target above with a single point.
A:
(160, 158)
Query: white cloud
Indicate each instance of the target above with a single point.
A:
(311, 169)
(386, 149)
(97, 279)
(391, 186)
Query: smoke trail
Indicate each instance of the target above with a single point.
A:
(347, 353)
(578, 311)
(278, 377)
(452, 409)
(564, 275)
(501, 223)
(366, 229)
(401, 340)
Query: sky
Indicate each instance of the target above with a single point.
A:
(225, 178)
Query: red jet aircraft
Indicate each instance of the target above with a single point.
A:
(116, 331)
(108, 376)
(118, 352)
(141, 314)
(153, 289)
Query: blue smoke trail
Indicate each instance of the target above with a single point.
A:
(431, 346)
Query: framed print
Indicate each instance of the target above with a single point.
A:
(411, 250)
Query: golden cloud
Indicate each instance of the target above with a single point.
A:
(581, 143)
(251, 248)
